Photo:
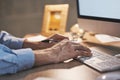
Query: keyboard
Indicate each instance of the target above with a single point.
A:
(101, 61)
(111, 50)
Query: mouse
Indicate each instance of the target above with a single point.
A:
(109, 76)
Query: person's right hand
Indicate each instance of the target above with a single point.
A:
(61, 51)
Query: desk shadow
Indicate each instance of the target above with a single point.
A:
(22, 74)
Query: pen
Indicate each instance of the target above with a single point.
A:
(49, 40)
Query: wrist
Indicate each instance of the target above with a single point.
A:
(32, 45)
(43, 57)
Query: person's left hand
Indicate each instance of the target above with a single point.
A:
(43, 44)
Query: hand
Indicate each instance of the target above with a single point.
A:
(67, 49)
(42, 44)
(36, 45)
(58, 37)
(60, 52)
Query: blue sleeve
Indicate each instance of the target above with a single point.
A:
(12, 61)
(10, 41)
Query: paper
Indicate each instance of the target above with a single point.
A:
(36, 38)
(106, 38)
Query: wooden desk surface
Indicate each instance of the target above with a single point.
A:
(73, 70)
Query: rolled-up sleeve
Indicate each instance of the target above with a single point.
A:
(10, 41)
(12, 61)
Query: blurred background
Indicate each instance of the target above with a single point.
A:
(21, 17)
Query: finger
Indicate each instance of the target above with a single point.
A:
(58, 37)
(82, 48)
(46, 45)
(83, 53)
(61, 43)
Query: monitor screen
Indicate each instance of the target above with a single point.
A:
(99, 16)
(107, 10)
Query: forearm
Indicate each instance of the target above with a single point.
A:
(43, 57)
(46, 56)
(49, 55)
(37, 45)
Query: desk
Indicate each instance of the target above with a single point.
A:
(73, 70)
(64, 71)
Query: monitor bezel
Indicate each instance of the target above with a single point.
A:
(94, 17)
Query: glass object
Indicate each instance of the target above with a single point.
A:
(76, 33)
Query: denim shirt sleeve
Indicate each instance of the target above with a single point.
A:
(10, 41)
(12, 61)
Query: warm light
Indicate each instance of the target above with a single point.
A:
(103, 77)
(57, 15)
(81, 30)
(55, 21)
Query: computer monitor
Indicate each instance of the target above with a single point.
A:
(99, 16)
